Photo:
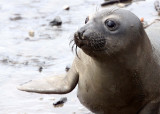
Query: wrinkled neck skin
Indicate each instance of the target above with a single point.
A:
(139, 62)
(136, 56)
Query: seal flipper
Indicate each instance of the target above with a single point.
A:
(53, 85)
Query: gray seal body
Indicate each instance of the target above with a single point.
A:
(117, 68)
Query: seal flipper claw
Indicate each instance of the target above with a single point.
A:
(52, 85)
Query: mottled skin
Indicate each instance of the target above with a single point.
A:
(117, 70)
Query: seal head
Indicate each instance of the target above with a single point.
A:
(109, 32)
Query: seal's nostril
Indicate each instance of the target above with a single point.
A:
(76, 36)
(79, 35)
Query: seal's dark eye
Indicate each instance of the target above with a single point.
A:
(87, 19)
(111, 25)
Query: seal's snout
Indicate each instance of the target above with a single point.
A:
(80, 39)
(86, 38)
(80, 34)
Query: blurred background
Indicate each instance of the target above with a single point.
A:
(33, 46)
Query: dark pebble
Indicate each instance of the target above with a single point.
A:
(67, 68)
(16, 18)
(60, 102)
(56, 21)
(109, 2)
(157, 6)
(66, 7)
(40, 69)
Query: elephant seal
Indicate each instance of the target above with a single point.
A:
(117, 68)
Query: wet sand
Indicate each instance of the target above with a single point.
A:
(21, 56)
